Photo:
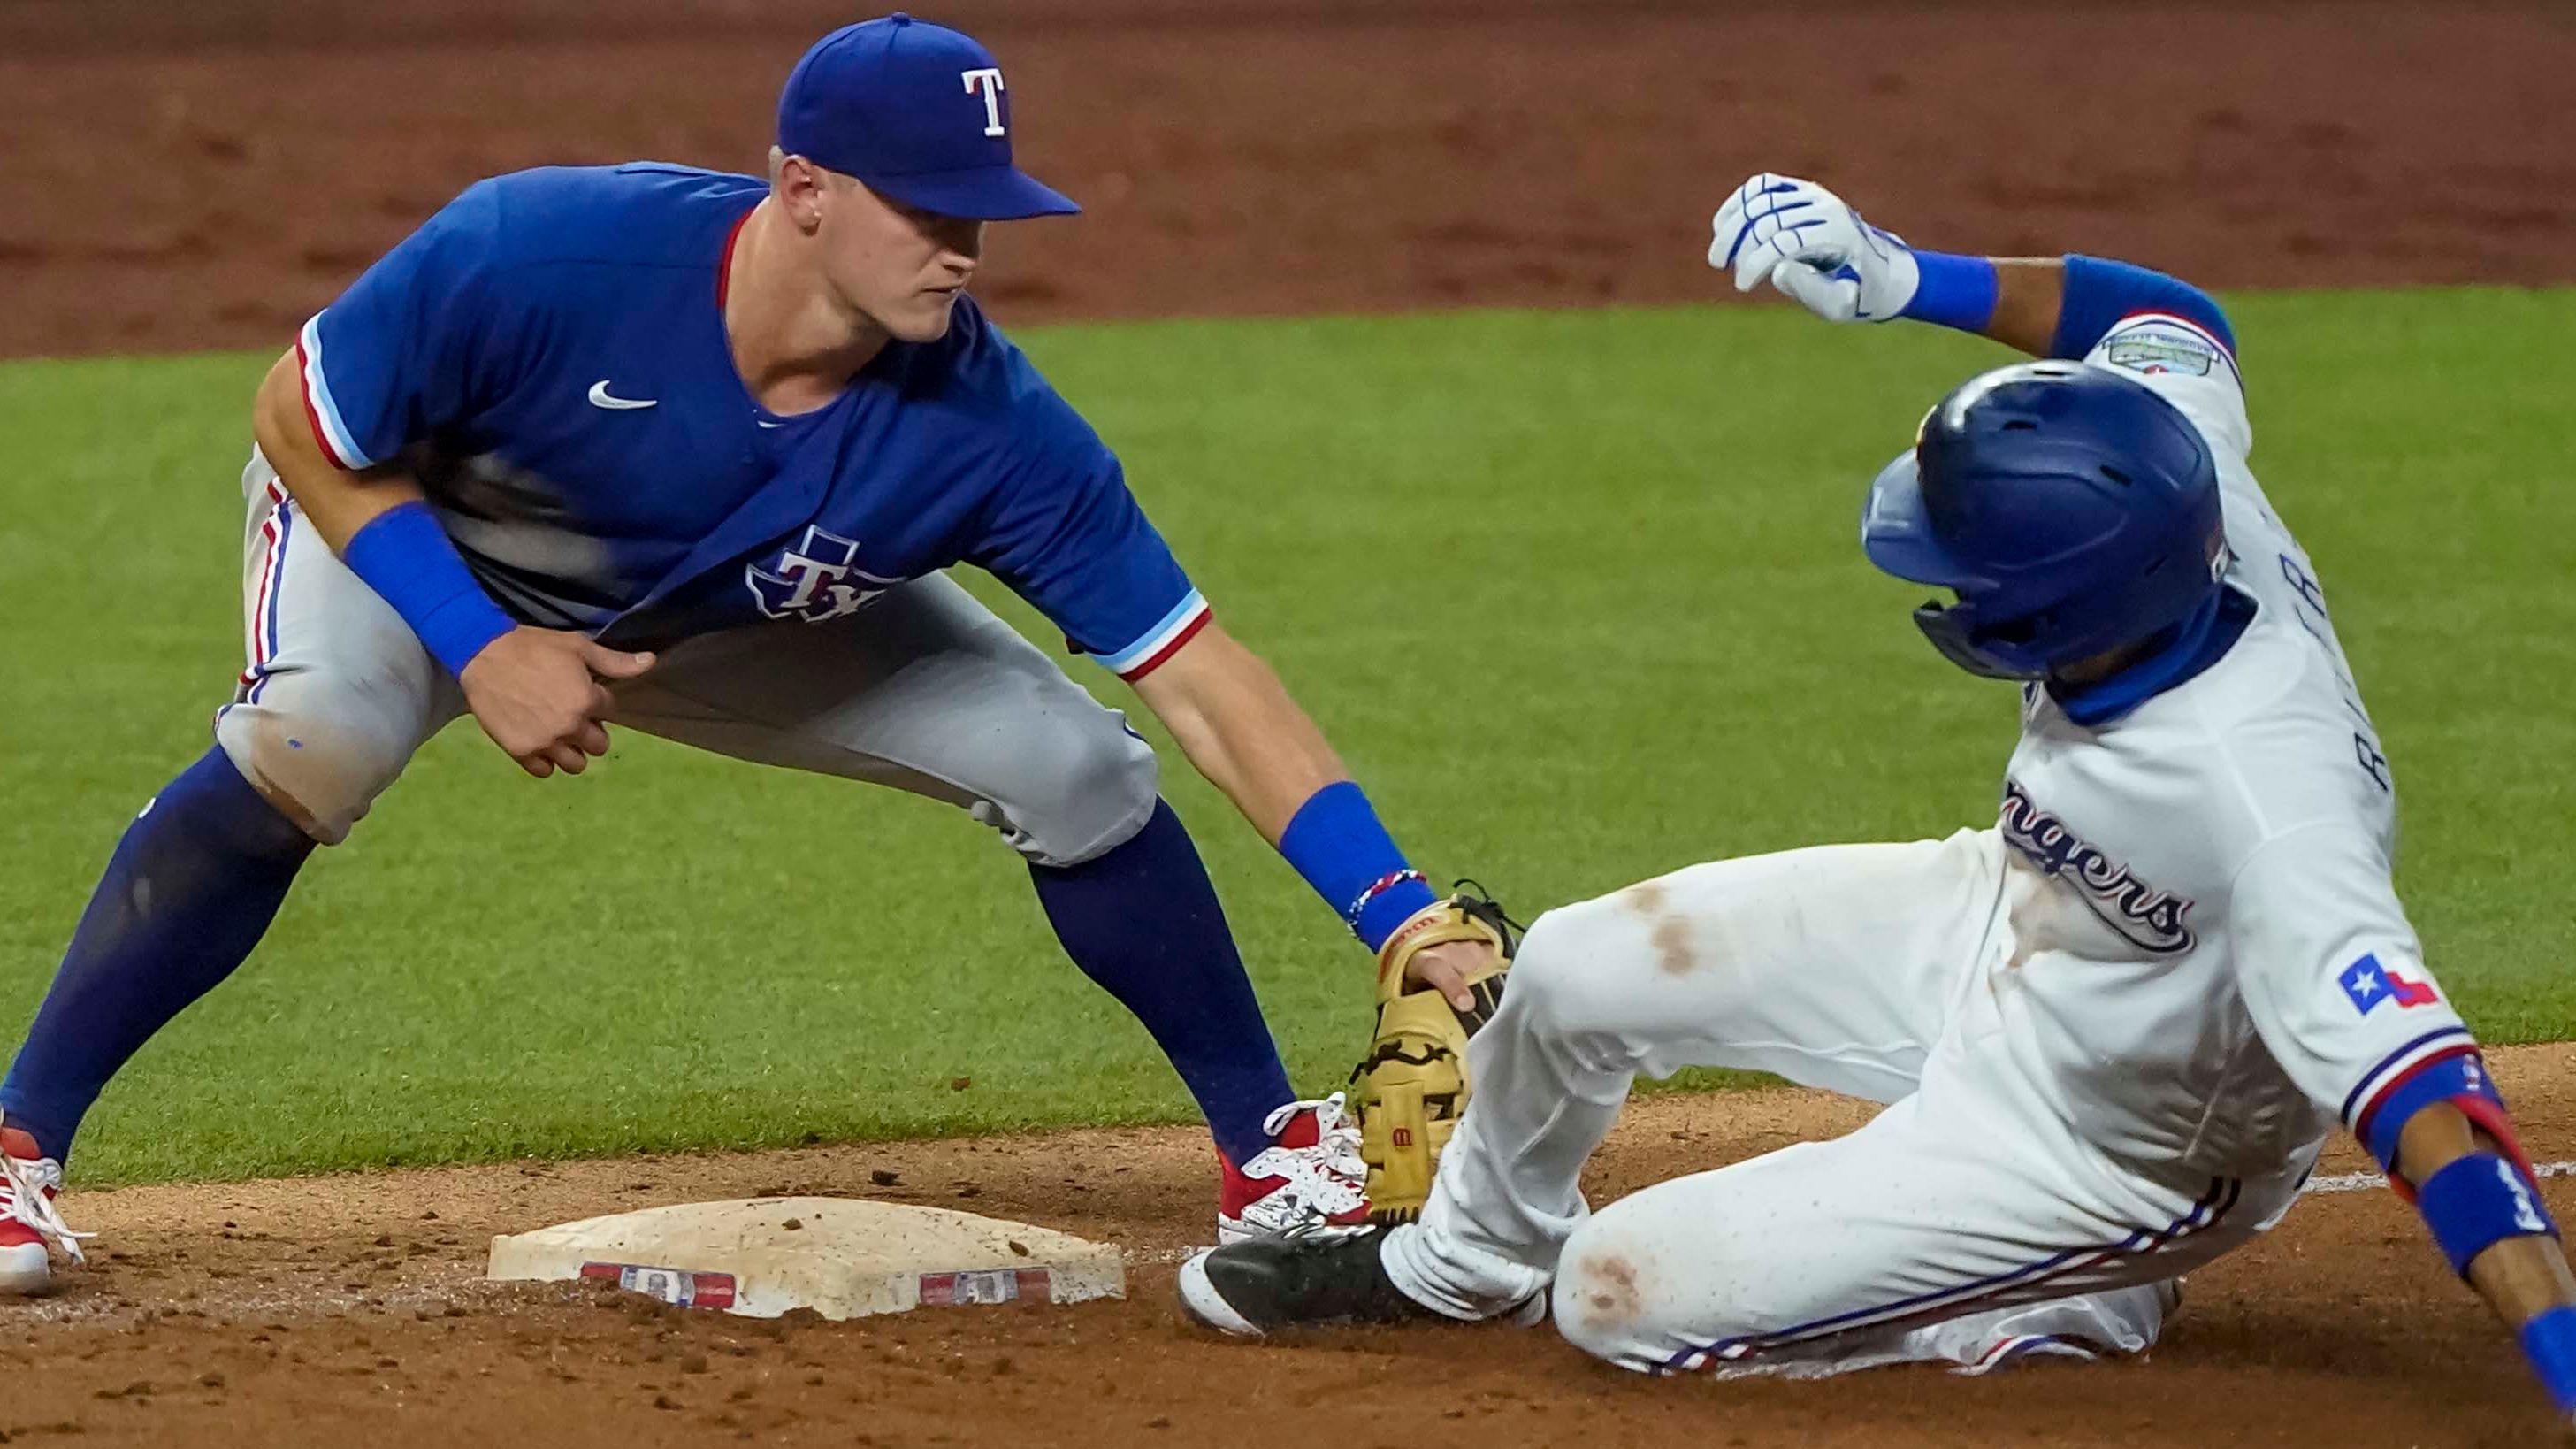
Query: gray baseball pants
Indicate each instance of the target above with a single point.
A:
(924, 689)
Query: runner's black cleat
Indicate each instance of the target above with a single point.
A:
(1309, 1279)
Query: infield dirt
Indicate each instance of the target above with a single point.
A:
(207, 176)
(347, 1310)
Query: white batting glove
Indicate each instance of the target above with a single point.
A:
(1814, 247)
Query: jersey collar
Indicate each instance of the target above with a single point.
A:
(2198, 642)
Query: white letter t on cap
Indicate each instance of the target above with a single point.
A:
(991, 76)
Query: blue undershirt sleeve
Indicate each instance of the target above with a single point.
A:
(2100, 294)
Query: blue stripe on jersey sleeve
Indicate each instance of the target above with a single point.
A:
(1157, 637)
(2099, 293)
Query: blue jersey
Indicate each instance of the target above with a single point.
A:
(547, 355)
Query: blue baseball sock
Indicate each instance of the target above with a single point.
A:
(190, 890)
(1143, 921)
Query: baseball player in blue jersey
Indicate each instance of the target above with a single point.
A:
(2113, 1030)
(691, 450)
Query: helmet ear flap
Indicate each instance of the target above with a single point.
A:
(1955, 632)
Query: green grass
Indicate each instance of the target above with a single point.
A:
(1576, 594)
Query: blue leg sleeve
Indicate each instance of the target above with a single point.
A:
(190, 890)
(1143, 921)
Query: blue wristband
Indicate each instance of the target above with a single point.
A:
(2549, 1341)
(2476, 1202)
(406, 558)
(1335, 841)
(1954, 291)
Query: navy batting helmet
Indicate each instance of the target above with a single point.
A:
(2070, 509)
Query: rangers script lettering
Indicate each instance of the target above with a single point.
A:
(2141, 914)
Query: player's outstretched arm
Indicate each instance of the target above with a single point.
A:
(1241, 728)
(2335, 981)
(1818, 250)
(2522, 1276)
(2477, 1194)
(536, 692)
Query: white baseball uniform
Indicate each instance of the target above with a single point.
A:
(2113, 1030)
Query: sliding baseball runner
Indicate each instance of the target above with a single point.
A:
(2113, 1029)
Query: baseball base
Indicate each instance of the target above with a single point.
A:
(840, 1257)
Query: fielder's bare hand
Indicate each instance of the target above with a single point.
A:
(538, 694)
(1448, 967)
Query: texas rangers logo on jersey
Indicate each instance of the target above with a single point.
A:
(2141, 914)
(813, 580)
(2368, 983)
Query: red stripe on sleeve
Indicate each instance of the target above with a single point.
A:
(2362, 1120)
(1155, 660)
(313, 416)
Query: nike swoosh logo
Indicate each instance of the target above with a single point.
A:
(599, 398)
(766, 423)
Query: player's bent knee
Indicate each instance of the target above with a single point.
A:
(1084, 794)
(1544, 969)
(1622, 1289)
(320, 774)
(1568, 971)
(1600, 1300)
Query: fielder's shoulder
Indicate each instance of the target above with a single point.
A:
(643, 213)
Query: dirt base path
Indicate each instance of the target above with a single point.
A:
(348, 1310)
(208, 174)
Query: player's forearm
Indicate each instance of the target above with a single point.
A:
(1241, 729)
(2519, 1277)
(1814, 247)
(2058, 306)
(2484, 1211)
(379, 524)
(2030, 292)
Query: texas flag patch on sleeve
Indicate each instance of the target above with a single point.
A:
(2368, 983)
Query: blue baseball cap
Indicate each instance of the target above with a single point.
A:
(918, 112)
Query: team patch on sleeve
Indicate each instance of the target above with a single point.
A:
(1160, 642)
(2367, 983)
(2160, 343)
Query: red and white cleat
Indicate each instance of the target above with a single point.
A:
(28, 1221)
(1310, 1176)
